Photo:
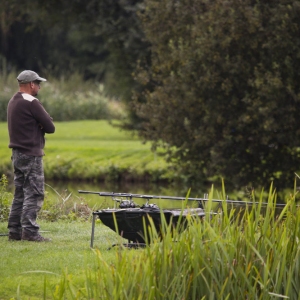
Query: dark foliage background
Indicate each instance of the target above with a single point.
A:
(214, 82)
(225, 98)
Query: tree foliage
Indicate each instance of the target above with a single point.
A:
(222, 91)
(125, 45)
(102, 40)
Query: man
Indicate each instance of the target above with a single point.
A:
(28, 122)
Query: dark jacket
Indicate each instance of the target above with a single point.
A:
(28, 122)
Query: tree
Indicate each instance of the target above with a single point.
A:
(102, 40)
(222, 92)
(10, 12)
(34, 37)
(125, 45)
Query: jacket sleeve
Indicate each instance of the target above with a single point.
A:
(42, 117)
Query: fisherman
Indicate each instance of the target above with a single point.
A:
(28, 122)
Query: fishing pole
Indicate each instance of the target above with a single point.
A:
(148, 197)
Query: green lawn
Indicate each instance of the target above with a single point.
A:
(25, 265)
(92, 150)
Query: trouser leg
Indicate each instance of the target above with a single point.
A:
(33, 197)
(14, 220)
(29, 193)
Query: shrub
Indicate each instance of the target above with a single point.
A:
(5, 199)
(66, 100)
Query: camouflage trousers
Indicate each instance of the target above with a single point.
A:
(28, 195)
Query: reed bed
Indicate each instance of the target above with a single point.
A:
(249, 253)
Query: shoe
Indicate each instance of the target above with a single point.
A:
(12, 236)
(34, 238)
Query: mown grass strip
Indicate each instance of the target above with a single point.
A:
(26, 264)
(93, 150)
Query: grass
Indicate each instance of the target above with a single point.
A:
(228, 257)
(24, 265)
(248, 254)
(92, 150)
(89, 150)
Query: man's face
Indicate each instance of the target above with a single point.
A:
(35, 87)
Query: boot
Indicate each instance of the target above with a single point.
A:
(34, 237)
(13, 236)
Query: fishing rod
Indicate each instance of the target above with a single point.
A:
(149, 197)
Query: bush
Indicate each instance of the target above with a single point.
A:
(5, 199)
(66, 100)
(8, 86)
(222, 90)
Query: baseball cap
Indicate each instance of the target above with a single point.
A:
(29, 76)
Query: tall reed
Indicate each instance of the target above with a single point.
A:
(249, 253)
